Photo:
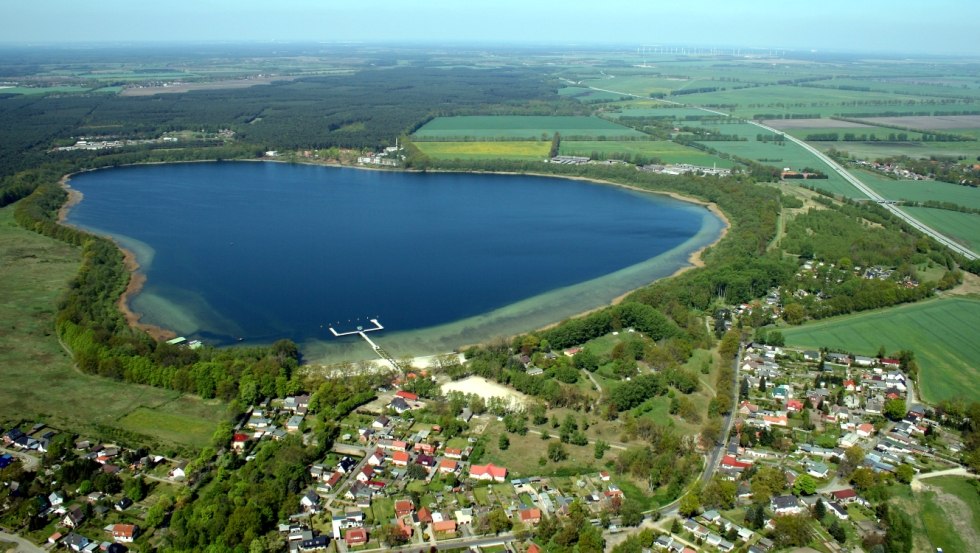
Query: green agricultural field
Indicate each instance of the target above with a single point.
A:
(44, 90)
(524, 150)
(40, 382)
(485, 127)
(665, 150)
(877, 150)
(678, 114)
(940, 332)
(920, 190)
(962, 227)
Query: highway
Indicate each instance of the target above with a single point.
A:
(844, 173)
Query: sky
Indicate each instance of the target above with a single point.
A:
(893, 26)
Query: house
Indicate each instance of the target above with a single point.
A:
(604, 475)
(488, 472)
(425, 461)
(810, 355)
(399, 405)
(847, 495)
(53, 538)
(310, 501)
(863, 361)
(454, 453)
(345, 465)
(711, 516)
(424, 515)
(730, 461)
(530, 516)
(73, 518)
(179, 471)
(404, 526)
(865, 430)
(366, 473)
(775, 420)
(381, 422)
(817, 470)
(571, 352)
(318, 543)
(125, 533)
(356, 536)
(294, 422)
(786, 505)
(794, 405)
(464, 517)
(239, 441)
(838, 510)
(55, 499)
(123, 504)
(407, 396)
(444, 527)
(334, 479)
(76, 542)
(400, 458)
(447, 466)
(376, 458)
(423, 447)
(404, 507)
(848, 440)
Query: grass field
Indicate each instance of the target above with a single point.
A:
(44, 90)
(679, 114)
(526, 149)
(521, 126)
(946, 514)
(962, 227)
(39, 380)
(940, 331)
(665, 150)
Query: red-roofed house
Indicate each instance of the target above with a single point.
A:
(377, 458)
(407, 396)
(424, 515)
(399, 445)
(730, 461)
(533, 548)
(531, 516)
(865, 430)
(447, 466)
(125, 533)
(488, 472)
(356, 536)
(781, 420)
(444, 526)
(404, 507)
(334, 479)
(604, 475)
(400, 458)
(890, 363)
(365, 474)
(794, 405)
(454, 453)
(428, 449)
(405, 527)
(847, 495)
(239, 441)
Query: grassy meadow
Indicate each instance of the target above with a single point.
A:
(920, 190)
(488, 127)
(40, 382)
(944, 514)
(526, 149)
(940, 331)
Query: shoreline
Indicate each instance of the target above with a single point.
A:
(137, 279)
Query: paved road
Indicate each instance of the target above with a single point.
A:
(23, 546)
(942, 239)
(30, 462)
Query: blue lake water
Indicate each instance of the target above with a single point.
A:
(254, 252)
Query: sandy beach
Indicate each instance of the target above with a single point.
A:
(477, 385)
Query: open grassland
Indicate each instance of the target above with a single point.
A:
(526, 149)
(940, 331)
(480, 127)
(39, 381)
(962, 227)
(664, 150)
(920, 190)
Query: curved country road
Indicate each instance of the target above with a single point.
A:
(22, 545)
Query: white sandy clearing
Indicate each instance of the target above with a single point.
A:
(486, 389)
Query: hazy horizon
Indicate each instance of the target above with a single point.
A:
(941, 27)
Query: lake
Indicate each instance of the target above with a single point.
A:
(238, 252)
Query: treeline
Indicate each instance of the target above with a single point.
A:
(948, 206)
